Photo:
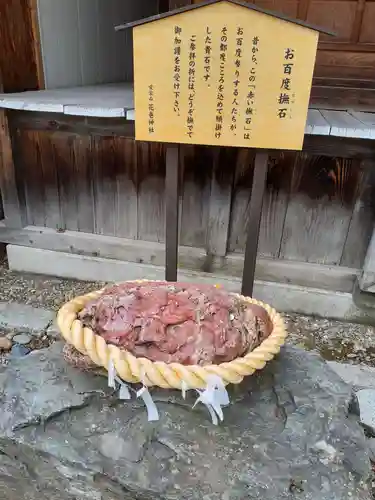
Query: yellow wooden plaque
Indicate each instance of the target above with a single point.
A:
(223, 75)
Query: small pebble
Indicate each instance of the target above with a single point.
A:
(18, 351)
(22, 339)
(5, 344)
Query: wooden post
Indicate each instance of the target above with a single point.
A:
(8, 184)
(255, 213)
(171, 211)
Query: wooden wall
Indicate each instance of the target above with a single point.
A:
(345, 66)
(88, 176)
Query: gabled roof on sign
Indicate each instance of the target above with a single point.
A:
(241, 3)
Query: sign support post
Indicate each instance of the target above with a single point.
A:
(171, 211)
(255, 215)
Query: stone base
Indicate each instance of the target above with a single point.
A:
(282, 296)
(290, 432)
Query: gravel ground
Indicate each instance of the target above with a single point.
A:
(335, 340)
(40, 291)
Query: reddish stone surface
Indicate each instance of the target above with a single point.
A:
(177, 322)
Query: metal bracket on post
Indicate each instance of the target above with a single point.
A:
(171, 211)
(255, 214)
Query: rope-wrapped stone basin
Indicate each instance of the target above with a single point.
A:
(95, 352)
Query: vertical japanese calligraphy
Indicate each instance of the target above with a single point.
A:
(177, 69)
(221, 85)
(151, 110)
(285, 96)
(191, 86)
(251, 89)
(236, 81)
(207, 55)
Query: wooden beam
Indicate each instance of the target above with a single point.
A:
(171, 212)
(34, 120)
(347, 46)
(255, 213)
(17, 56)
(8, 184)
(339, 146)
(37, 48)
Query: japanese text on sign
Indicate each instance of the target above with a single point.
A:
(151, 109)
(239, 80)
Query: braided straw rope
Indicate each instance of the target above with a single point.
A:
(167, 376)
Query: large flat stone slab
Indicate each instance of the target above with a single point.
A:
(359, 376)
(25, 318)
(289, 433)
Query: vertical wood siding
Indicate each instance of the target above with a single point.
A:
(316, 209)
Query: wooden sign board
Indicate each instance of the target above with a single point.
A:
(223, 75)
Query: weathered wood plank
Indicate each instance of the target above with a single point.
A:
(18, 47)
(319, 212)
(8, 182)
(151, 191)
(63, 145)
(224, 160)
(37, 47)
(82, 158)
(136, 251)
(31, 175)
(362, 220)
(195, 191)
(280, 170)
(126, 216)
(358, 21)
(339, 147)
(72, 124)
(109, 100)
(53, 216)
(275, 202)
(104, 164)
(240, 200)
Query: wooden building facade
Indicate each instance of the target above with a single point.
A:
(345, 66)
(76, 182)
